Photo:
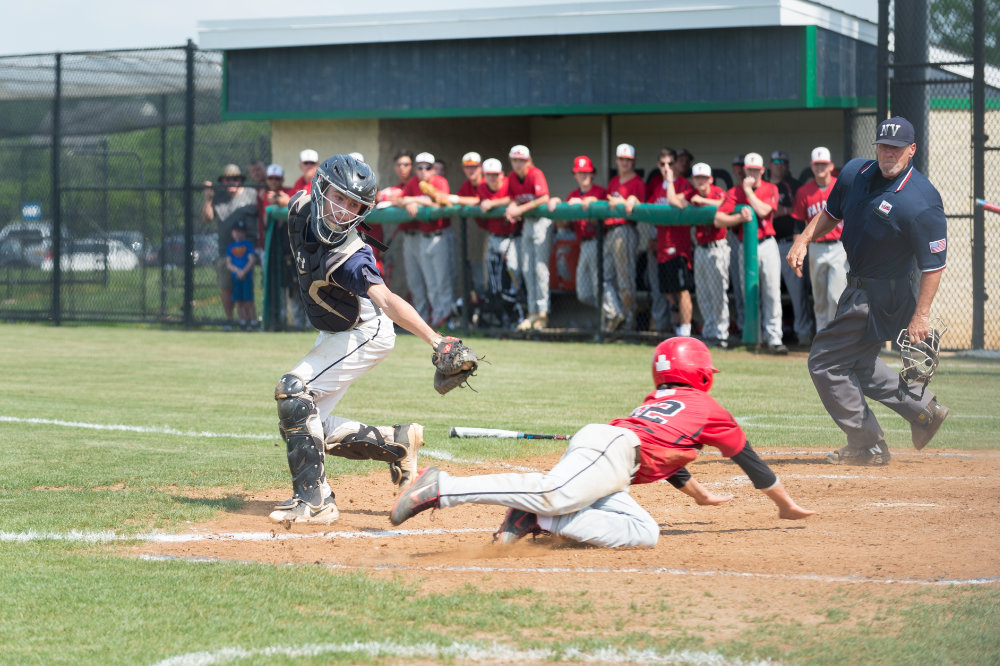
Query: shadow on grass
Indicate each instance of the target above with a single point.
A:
(229, 503)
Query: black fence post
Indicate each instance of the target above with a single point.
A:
(882, 75)
(188, 189)
(56, 198)
(978, 173)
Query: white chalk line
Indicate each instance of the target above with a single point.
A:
(464, 652)
(190, 537)
(656, 571)
(153, 430)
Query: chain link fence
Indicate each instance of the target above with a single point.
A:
(96, 231)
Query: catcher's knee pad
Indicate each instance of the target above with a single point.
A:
(302, 430)
(361, 442)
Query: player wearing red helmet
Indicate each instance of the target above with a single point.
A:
(585, 496)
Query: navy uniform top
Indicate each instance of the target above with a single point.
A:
(333, 280)
(888, 223)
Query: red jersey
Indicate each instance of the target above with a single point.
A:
(412, 189)
(498, 226)
(810, 200)
(302, 184)
(468, 189)
(533, 186)
(707, 233)
(585, 229)
(671, 241)
(767, 193)
(412, 224)
(655, 184)
(632, 187)
(673, 425)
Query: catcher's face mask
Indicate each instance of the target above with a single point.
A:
(920, 359)
(339, 214)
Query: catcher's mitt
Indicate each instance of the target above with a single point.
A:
(454, 363)
(436, 195)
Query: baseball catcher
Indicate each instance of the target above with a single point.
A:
(454, 363)
(348, 302)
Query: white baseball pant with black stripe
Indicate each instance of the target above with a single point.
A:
(584, 497)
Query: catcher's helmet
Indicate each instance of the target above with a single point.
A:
(683, 361)
(920, 359)
(352, 179)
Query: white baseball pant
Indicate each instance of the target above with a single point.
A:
(828, 273)
(536, 246)
(584, 497)
(769, 279)
(711, 282)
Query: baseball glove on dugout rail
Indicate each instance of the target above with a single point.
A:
(454, 363)
(436, 195)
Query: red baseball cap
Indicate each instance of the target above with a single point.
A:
(582, 164)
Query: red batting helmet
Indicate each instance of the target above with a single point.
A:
(683, 361)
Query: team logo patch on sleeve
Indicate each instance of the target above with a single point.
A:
(938, 245)
(884, 207)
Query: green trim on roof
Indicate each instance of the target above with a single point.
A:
(961, 103)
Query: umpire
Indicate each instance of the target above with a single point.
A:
(895, 236)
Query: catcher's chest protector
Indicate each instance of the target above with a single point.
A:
(330, 307)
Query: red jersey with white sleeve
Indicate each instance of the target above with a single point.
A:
(673, 425)
(671, 241)
(632, 187)
(498, 226)
(413, 190)
(585, 229)
(810, 200)
(530, 188)
(767, 193)
(707, 233)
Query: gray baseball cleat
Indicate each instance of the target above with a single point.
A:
(875, 456)
(928, 421)
(422, 495)
(516, 525)
(404, 470)
(295, 510)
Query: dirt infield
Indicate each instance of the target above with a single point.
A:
(928, 518)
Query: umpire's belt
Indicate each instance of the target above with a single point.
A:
(868, 283)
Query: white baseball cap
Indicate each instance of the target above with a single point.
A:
(492, 165)
(308, 155)
(751, 160)
(701, 169)
(625, 150)
(520, 152)
(424, 158)
(275, 170)
(821, 154)
(471, 159)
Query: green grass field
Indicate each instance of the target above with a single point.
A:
(113, 430)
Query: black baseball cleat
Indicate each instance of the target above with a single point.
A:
(422, 495)
(516, 525)
(928, 421)
(874, 456)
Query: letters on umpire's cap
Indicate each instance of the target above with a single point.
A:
(896, 131)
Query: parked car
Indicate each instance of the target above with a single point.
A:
(25, 244)
(170, 253)
(94, 254)
(133, 240)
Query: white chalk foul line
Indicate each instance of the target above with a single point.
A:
(462, 651)
(155, 430)
(190, 537)
(656, 571)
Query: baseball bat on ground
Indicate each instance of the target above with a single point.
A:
(986, 205)
(501, 434)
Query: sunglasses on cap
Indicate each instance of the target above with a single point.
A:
(779, 161)
(310, 163)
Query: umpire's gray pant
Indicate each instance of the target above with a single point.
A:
(846, 368)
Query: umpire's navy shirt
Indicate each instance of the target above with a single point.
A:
(888, 223)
